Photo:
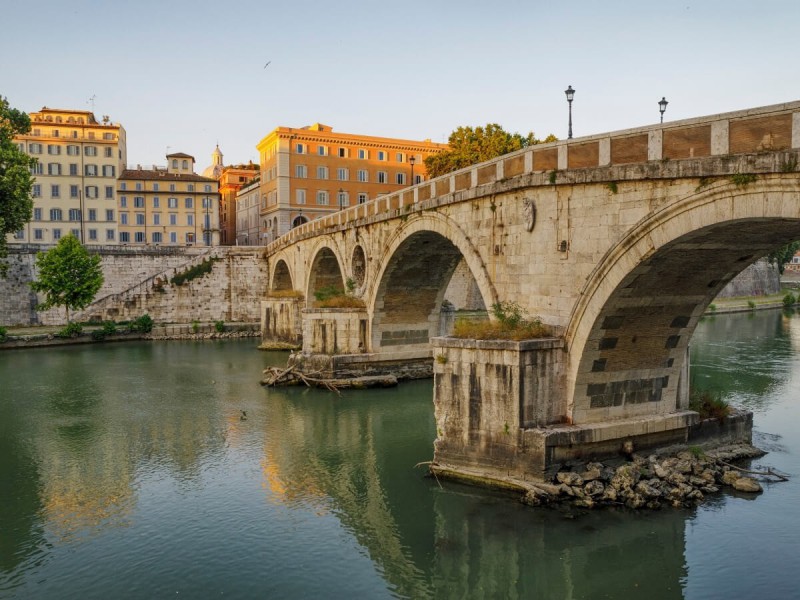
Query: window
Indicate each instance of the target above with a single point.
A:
(93, 235)
(123, 202)
(400, 157)
(171, 187)
(343, 174)
(76, 233)
(138, 237)
(37, 168)
(381, 155)
(37, 214)
(53, 149)
(189, 238)
(91, 191)
(156, 218)
(19, 235)
(190, 219)
(156, 237)
(93, 214)
(300, 148)
(174, 163)
(90, 170)
(322, 150)
(300, 196)
(173, 219)
(55, 214)
(322, 172)
(56, 234)
(382, 177)
(322, 198)
(300, 171)
(109, 171)
(73, 150)
(34, 148)
(109, 192)
(124, 237)
(123, 186)
(138, 202)
(401, 178)
(207, 188)
(362, 198)
(138, 187)
(108, 136)
(53, 169)
(155, 187)
(108, 152)
(417, 179)
(37, 190)
(73, 169)
(73, 191)
(90, 151)
(38, 234)
(173, 237)
(172, 203)
(156, 202)
(363, 154)
(207, 203)
(74, 214)
(109, 235)
(123, 218)
(109, 214)
(187, 203)
(185, 165)
(363, 175)
(55, 191)
(342, 199)
(343, 153)
(140, 218)
(190, 187)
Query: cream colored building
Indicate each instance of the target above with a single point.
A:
(231, 179)
(78, 162)
(170, 206)
(248, 208)
(312, 171)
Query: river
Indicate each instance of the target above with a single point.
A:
(127, 471)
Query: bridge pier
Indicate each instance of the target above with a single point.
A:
(501, 413)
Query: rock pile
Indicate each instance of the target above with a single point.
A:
(206, 336)
(651, 482)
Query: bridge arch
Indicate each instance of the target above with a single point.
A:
(325, 270)
(281, 279)
(629, 332)
(406, 295)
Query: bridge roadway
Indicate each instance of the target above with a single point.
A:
(618, 242)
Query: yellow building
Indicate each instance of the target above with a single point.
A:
(74, 190)
(231, 179)
(170, 205)
(248, 208)
(313, 171)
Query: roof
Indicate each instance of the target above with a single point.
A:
(180, 155)
(151, 174)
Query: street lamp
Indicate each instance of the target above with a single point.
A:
(412, 159)
(662, 106)
(341, 199)
(207, 223)
(570, 95)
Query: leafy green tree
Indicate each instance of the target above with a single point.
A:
(68, 275)
(16, 181)
(470, 145)
(783, 255)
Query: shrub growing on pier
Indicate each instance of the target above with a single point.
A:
(510, 323)
(708, 405)
(332, 296)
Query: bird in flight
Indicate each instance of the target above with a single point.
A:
(266, 65)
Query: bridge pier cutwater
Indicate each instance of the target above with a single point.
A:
(618, 242)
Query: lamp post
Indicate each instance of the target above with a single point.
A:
(662, 106)
(412, 159)
(341, 199)
(570, 95)
(207, 201)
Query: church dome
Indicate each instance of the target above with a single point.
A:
(215, 170)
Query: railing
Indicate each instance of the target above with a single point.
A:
(769, 128)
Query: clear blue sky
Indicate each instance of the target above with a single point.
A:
(189, 74)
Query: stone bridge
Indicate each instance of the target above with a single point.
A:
(618, 242)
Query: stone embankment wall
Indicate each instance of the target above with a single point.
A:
(759, 279)
(137, 282)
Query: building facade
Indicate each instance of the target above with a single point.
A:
(170, 205)
(78, 162)
(248, 209)
(313, 171)
(231, 179)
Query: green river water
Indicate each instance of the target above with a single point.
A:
(126, 471)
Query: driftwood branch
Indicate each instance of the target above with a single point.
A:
(768, 472)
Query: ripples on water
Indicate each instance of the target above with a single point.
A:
(127, 472)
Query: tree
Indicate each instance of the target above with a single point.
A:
(16, 181)
(781, 256)
(68, 275)
(473, 145)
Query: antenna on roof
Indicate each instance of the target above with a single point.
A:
(91, 101)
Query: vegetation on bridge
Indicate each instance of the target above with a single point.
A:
(332, 296)
(510, 323)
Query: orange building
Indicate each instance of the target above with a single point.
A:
(231, 179)
(310, 172)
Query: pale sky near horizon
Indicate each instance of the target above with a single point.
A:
(186, 75)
